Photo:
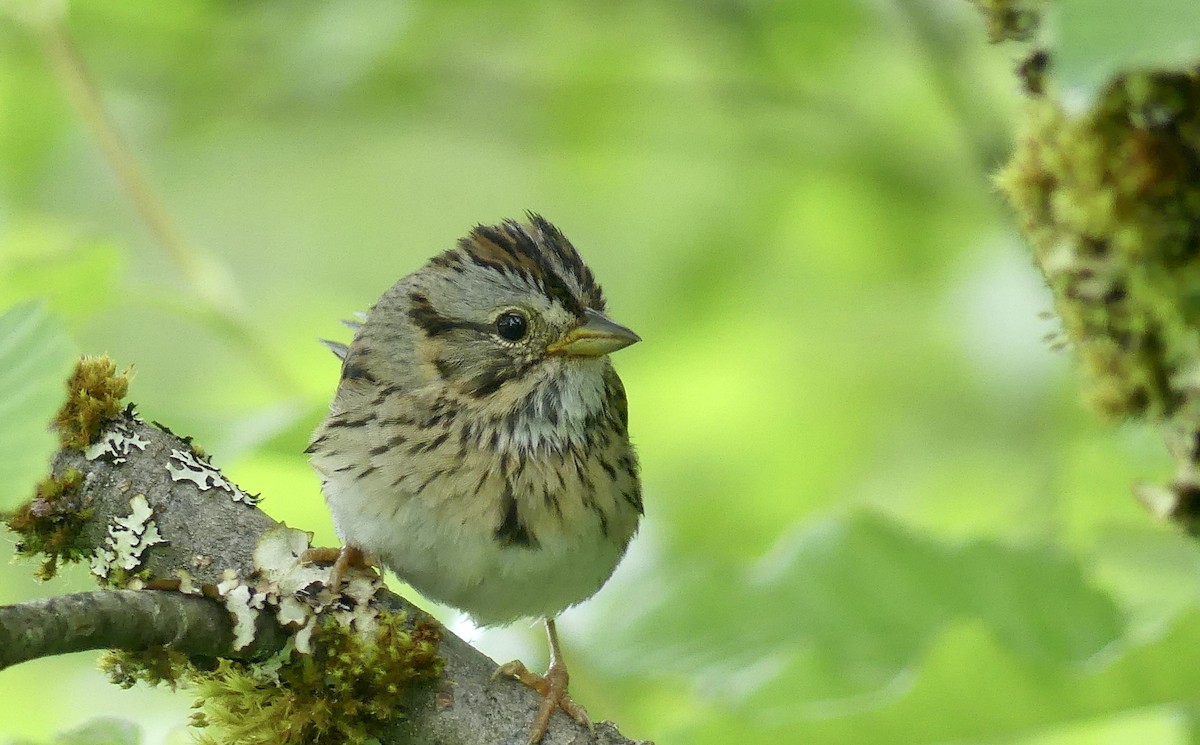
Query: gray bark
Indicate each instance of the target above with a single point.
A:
(127, 619)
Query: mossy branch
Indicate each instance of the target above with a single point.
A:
(1107, 195)
(147, 509)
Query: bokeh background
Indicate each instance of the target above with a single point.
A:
(876, 512)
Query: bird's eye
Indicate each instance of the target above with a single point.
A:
(512, 326)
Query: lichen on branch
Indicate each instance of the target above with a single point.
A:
(50, 523)
(342, 676)
(346, 690)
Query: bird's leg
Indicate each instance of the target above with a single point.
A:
(342, 559)
(552, 685)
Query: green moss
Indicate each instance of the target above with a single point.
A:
(120, 578)
(346, 691)
(1110, 201)
(155, 666)
(51, 523)
(1010, 20)
(94, 394)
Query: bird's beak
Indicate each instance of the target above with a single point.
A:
(596, 336)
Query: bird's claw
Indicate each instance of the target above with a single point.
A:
(342, 559)
(553, 688)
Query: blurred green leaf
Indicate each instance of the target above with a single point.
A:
(35, 357)
(848, 606)
(34, 119)
(42, 258)
(1097, 39)
(100, 731)
(971, 688)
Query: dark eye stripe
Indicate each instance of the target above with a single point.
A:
(426, 317)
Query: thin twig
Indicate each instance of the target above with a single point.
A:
(76, 79)
(206, 278)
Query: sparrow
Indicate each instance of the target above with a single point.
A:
(478, 443)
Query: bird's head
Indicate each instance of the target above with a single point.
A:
(511, 310)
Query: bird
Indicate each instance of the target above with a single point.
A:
(478, 442)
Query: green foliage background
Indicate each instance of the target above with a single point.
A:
(876, 511)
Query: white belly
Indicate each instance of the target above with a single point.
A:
(462, 564)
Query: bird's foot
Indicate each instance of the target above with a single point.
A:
(342, 559)
(553, 687)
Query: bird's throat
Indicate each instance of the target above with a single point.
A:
(558, 410)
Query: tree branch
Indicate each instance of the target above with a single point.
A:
(133, 620)
(203, 533)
